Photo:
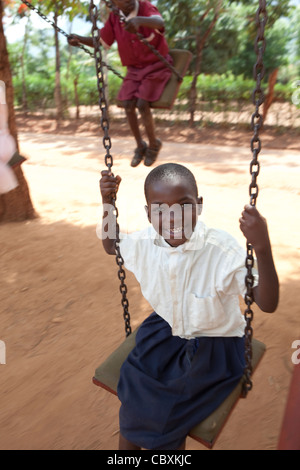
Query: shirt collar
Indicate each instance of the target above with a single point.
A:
(196, 241)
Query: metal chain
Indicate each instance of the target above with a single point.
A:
(116, 11)
(256, 124)
(108, 158)
(57, 28)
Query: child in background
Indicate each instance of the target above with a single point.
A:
(146, 75)
(189, 352)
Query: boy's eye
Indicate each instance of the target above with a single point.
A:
(158, 209)
(163, 208)
(187, 205)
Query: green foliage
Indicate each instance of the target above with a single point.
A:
(40, 91)
(227, 62)
(226, 88)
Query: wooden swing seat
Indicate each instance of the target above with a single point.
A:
(108, 373)
(181, 60)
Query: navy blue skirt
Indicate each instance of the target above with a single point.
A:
(169, 384)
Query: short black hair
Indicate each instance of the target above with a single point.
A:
(167, 172)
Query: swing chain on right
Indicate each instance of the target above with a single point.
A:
(256, 124)
(108, 158)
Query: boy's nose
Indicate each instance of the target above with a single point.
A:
(174, 217)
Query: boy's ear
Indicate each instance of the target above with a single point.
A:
(200, 204)
(147, 212)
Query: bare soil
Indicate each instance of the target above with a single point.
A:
(60, 302)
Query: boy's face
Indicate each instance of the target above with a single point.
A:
(127, 6)
(173, 209)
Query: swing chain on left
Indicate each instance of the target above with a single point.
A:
(108, 157)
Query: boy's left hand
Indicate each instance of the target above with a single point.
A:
(254, 227)
(132, 25)
(73, 40)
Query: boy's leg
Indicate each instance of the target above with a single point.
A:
(129, 107)
(132, 118)
(147, 118)
(148, 121)
(182, 447)
(127, 445)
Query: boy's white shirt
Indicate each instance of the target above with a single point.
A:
(194, 287)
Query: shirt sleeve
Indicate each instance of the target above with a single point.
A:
(107, 33)
(128, 248)
(234, 271)
(151, 10)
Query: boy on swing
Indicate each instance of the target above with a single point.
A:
(189, 352)
(146, 76)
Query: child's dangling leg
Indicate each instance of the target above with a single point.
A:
(124, 444)
(140, 151)
(155, 144)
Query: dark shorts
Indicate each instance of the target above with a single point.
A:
(169, 384)
(146, 83)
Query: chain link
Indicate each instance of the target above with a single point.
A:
(256, 124)
(57, 28)
(109, 158)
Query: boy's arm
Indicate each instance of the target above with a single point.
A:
(75, 40)
(109, 186)
(152, 22)
(254, 228)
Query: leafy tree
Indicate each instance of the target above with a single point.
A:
(57, 8)
(192, 28)
(221, 34)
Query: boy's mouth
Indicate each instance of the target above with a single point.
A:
(176, 230)
(173, 232)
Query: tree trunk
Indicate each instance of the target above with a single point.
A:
(200, 43)
(270, 95)
(15, 205)
(25, 40)
(76, 97)
(57, 92)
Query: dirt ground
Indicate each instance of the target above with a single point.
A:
(60, 302)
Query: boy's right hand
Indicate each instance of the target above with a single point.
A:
(73, 40)
(109, 185)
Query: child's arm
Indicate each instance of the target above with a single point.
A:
(153, 22)
(109, 186)
(254, 228)
(75, 40)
